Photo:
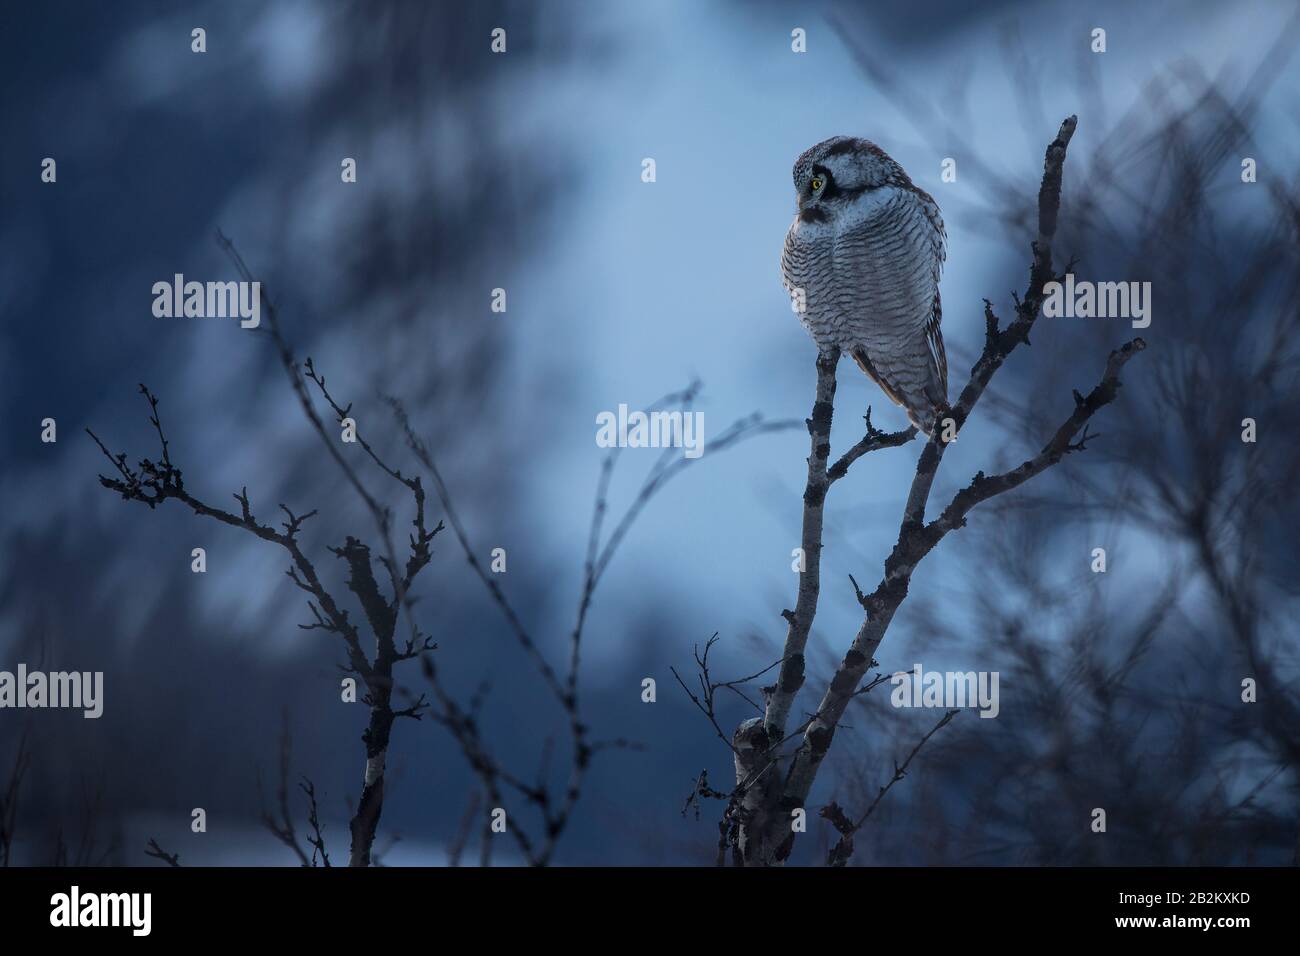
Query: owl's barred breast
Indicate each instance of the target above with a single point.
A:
(866, 279)
(870, 285)
(807, 265)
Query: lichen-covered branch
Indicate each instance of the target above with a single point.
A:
(800, 620)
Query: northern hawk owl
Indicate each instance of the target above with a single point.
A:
(862, 262)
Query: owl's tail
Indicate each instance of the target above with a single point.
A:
(921, 404)
(922, 417)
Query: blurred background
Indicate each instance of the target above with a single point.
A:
(522, 171)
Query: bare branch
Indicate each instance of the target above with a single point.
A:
(842, 851)
(317, 838)
(9, 797)
(157, 852)
(282, 828)
(800, 620)
(706, 702)
(378, 513)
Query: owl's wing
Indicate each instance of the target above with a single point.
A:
(889, 262)
(934, 338)
(938, 238)
(864, 362)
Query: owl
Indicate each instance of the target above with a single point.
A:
(862, 261)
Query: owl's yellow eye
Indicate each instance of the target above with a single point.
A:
(816, 183)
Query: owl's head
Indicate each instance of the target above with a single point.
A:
(836, 172)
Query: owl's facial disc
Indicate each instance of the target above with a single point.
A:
(817, 189)
(818, 183)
